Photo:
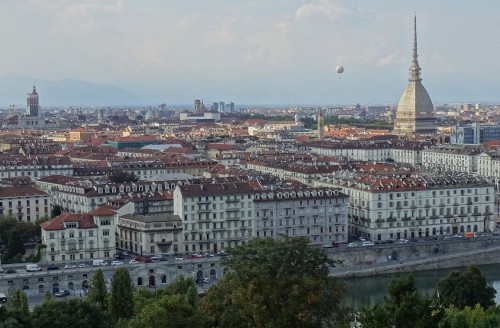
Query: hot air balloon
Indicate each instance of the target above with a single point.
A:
(340, 69)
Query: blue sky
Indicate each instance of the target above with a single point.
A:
(258, 51)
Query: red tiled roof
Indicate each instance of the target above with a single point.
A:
(85, 221)
(21, 191)
(102, 211)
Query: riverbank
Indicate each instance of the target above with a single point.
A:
(460, 258)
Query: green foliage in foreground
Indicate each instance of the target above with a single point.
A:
(269, 284)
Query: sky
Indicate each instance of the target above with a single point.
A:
(258, 52)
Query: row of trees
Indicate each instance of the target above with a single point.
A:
(14, 234)
(271, 283)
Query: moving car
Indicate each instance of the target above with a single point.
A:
(70, 266)
(368, 243)
(179, 258)
(133, 262)
(117, 263)
(351, 245)
(52, 267)
(403, 241)
(10, 270)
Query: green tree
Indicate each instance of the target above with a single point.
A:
(119, 176)
(7, 222)
(71, 313)
(17, 309)
(274, 283)
(38, 229)
(47, 297)
(56, 211)
(121, 301)
(98, 293)
(466, 288)
(469, 317)
(403, 306)
(15, 245)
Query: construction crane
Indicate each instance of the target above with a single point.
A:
(13, 108)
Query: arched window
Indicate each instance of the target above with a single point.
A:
(52, 247)
(139, 281)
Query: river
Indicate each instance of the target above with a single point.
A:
(368, 291)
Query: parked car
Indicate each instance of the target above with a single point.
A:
(119, 256)
(133, 262)
(414, 240)
(62, 293)
(361, 238)
(208, 255)
(52, 267)
(179, 258)
(222, 253)
(1, 270)
(117, 263)
(157, 257)
(82, 265)
(138, 258)
(206, 280)
(70, 266)
(351, 245)
(403, 241)
(10, 270)
(368, 243)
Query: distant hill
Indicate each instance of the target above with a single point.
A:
(66, 92)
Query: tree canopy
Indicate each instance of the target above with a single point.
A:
(403, 306)
(274, 283)
(466, 288)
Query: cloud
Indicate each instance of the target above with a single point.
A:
(390, 59)
(324, 9)
(89, 8)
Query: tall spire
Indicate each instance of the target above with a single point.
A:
(415, 68)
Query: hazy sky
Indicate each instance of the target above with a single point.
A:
(258, 51)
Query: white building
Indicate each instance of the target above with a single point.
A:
(214, 215)
(419, 205)
(455, 158)
(79, 237)
(319, 214)
(148, 234)
(25, 203)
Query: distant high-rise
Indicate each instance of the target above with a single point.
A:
(222, 107)
(197, 105)
(32, 103)
(414, 115)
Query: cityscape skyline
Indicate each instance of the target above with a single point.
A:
(258, 53)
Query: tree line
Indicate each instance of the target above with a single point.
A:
(269, 283)
(15, 235)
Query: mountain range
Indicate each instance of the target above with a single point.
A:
(65, 92)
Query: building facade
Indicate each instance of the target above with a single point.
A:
(80, 237)
(150, 234)
(25, 203)
(318, 214)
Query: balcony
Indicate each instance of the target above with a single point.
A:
(164, 242)
(232, 200)
(232, 209)
(391, 219)
(420, 218)
(406, 219)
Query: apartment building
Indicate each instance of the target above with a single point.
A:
(78, 237)
(399, 151)
(415, 204)
(25, 203)
(455, 158)
(319, 214)
(34, 167)
(150, 234)
(215, 215)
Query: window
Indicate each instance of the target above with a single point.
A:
(105, 232)
(51, 235)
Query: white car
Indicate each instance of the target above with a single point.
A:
(1, 270)
(368, 243)
(70, 266)
(403, 241)
(117, 263)
(133, 262)
(351, 245)
(206, 280)
(179, 259)
(82, 265)
(362, 239)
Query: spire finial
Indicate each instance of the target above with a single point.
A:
(415, 68)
